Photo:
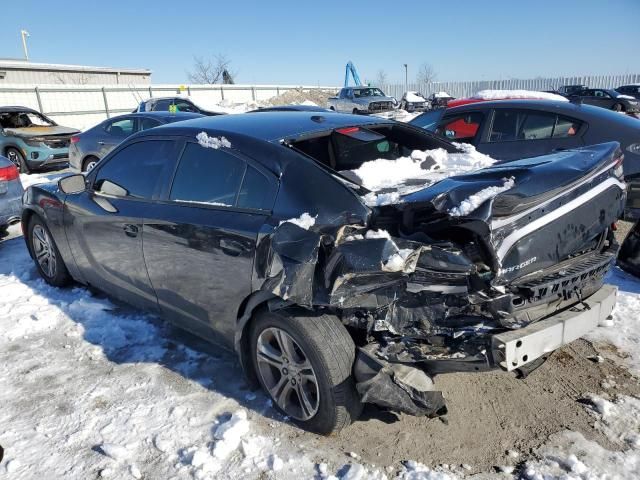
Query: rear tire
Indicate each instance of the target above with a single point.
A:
(319, 347)
(618, 107)
(355, 111)
(46, 254)
(18, 160)
(89, 163)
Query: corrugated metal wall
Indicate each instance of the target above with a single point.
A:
(467, 89)
(39, 77)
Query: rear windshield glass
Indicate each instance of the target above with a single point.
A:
(349, 148)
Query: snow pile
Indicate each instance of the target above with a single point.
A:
(379, 174)
(417, 471)
(618, 420)
(624, 331)
(414, 97)
(396, 262)
(373, 199)
(524, 94)
(474, 201)
(305, 221)
(212, 142)
(569, 455)
(441, 95)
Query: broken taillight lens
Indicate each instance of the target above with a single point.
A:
(618, 169)
(8, 173)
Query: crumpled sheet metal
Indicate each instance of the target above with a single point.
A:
(397, 387)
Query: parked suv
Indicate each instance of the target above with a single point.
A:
(31, 140)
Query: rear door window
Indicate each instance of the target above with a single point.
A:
(566, 127)
(207, 176)
(121, 128)
(511, 125)
(147, 123)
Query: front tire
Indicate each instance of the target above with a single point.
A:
(46, 254)
(18, 160)
(617, 107)
(304, 364)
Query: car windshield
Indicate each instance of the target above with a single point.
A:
(368, 92)
(429, 120)
(24, 119)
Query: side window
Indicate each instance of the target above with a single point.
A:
(510, 125)
(505, 126)
(536, 126)
(255, 191)
(161, 105)
(566, 127)
(135, 170)
(186, 107)
(461, 127)
(147, 123)
(207, 175)
(121, 128)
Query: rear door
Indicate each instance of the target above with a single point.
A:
(105, 221)
(521, 133)
(200, 241)
(114, 133)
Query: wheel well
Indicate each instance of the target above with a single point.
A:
(86, 158)
(27, 215)
(255, 302)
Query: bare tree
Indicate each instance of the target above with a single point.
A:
(426, 74)
(212, 70)
(381, 79)
(62, 78)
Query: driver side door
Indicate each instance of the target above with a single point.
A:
(105, 221)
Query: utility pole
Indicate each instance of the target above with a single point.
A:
(406, 77)
(24, 34)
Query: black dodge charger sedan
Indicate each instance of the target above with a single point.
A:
(257, 232)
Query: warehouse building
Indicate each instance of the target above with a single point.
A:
(14, 71)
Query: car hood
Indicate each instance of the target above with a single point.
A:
(29, 132)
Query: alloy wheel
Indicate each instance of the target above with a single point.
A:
(12, 155)
(44, 251)
(287, 374)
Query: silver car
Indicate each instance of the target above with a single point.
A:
(10, 195)
(361, 100)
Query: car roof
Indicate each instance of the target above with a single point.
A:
(17, 109)
(159, 114)
(291, 108)
(579, 110)
(269, 126)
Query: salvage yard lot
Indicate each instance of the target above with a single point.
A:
(95, 389)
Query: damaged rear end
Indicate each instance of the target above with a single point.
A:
(494, 268)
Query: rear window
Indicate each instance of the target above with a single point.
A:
(517, 125)
(349, 148)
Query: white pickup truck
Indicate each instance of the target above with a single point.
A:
(361, 100)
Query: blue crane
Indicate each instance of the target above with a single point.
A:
(351, 69)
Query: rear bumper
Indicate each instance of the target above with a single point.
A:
(517, 348)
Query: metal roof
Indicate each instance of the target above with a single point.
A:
(17, 64)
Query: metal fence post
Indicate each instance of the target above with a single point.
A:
(221, 92)
(37, 90)
(150, 92)
(106, 104)
(253, 93)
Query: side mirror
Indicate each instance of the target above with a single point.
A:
(73, 184)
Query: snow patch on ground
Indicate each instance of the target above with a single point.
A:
(212, 142)
(305, 221)
(474, 201)
(624, 330)
(525, 94)
(569, 455)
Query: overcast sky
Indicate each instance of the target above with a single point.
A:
(301, 42)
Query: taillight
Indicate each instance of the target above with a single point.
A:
(9, 173)
(75, 139)
(618, 169)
